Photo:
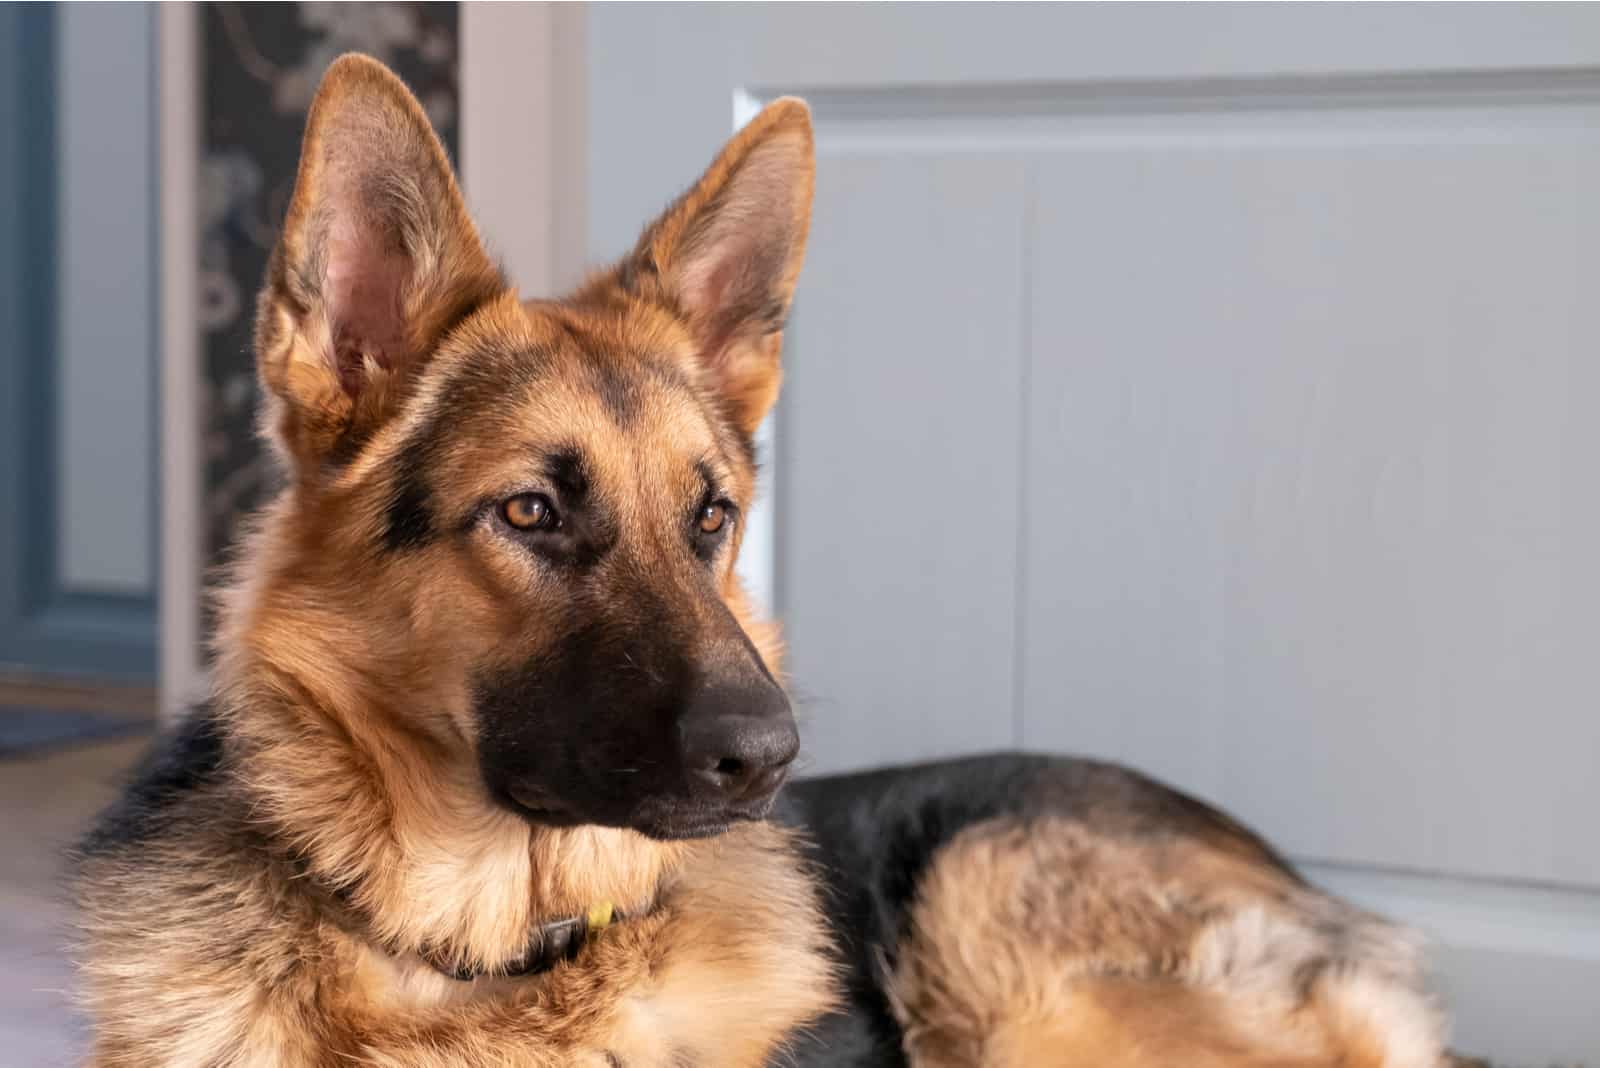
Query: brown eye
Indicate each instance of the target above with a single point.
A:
(530, 511)
(712, 517)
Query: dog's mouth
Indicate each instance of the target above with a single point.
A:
(672, 822)
(673, 830)
(537, 805)
(662, 818)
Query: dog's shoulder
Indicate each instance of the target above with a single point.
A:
(181, 913)
(871, 836)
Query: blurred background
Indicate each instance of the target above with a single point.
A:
(1208, 387)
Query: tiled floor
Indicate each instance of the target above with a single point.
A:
(45, 801)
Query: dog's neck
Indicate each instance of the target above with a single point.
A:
(393, 819)
(413, 846)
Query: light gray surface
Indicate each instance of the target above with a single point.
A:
(910, 508)
(1294, 483)
(182, 529)
(105, 297)
(858, 45)
(1305, 435)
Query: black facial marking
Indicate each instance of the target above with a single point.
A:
(708, 480)
(568, 473)
(706, 544)
(618, 391)
(634, 269)
(588, 727)
(408, 518)
(584, 532)
(746, 444)
(492, 375)
(608, 725)
(773, 316)
(667, 376)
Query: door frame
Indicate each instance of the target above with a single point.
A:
(183, 680)
(46, 626)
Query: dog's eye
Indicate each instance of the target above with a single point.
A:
(713, 517)
(530, 511)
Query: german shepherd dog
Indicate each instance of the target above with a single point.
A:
(491, 772)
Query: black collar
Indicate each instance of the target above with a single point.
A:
(551, 944)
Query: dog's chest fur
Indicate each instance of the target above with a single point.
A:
(201, 949)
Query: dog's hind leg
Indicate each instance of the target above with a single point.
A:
(1042, 942)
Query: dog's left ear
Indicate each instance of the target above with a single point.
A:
(727, 255)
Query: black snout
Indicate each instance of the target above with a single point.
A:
(737, 744)
(622, 731)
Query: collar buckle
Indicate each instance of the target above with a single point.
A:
(552, 943)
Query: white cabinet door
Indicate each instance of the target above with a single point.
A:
(1210, 387)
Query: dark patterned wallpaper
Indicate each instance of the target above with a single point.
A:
(262, 63)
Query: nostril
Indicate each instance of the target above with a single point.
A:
(735, 757)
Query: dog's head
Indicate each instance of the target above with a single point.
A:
(510, 528)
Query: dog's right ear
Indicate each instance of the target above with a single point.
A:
(377, 260)
(727, 254)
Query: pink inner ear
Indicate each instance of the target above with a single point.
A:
(707, 288)
(735, 267)
(364, 289)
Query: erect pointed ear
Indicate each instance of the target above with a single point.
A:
(728, 253)
(376, 261)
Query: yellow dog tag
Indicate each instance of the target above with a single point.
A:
(599, 916)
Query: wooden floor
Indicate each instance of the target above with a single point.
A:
(45, 801)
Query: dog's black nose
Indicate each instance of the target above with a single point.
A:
(738, 744)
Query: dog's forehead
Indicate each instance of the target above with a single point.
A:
(514, 388)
